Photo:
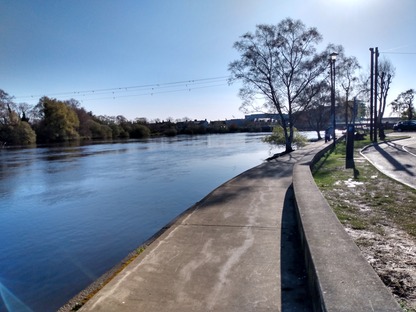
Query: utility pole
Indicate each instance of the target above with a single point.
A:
(332, 59)
(381, 109)
(375, 94)
(371, 92)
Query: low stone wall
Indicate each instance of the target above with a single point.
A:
(340, 278)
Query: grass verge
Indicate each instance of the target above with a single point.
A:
(378, 212)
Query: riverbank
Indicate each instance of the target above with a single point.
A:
(86, 294)
(179, 271)
(68, 205)
(224, 253)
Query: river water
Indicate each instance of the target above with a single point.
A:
(69, 214)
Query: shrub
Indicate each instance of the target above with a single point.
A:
(278, 137)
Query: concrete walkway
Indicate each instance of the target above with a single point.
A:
(236, 250)
(395, 159)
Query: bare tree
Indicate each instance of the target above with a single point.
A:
(347, 68)
(319, 110)
(6, 107)
(277, 65)
(14, 130)
(363, 90)
(25, 110)
(386, 74)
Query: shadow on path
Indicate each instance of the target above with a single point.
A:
(294, 284)
(397, 165)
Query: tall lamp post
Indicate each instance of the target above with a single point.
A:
(332, 58)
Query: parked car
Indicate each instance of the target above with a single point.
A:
(407, 125)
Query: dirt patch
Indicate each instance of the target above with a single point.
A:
(393, 257)
(388, 248)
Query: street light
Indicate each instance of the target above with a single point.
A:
(332, 58)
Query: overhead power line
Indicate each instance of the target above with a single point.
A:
(155, 92)
(398, 52)
(139, 90)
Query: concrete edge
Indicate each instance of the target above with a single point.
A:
(375, 166)
(76, 302)
(391, 139)
(340, 278)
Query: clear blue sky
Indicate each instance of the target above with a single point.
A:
(57, 48)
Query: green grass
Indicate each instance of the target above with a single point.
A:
(378, 200)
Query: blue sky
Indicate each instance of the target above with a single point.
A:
(169, 58)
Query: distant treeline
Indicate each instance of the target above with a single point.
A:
(54, 121)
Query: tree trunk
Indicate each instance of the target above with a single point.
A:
(346, 108)
(289, 148)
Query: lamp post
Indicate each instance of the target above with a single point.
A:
(332, 58)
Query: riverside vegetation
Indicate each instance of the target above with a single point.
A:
(57, 121)
(378, 213)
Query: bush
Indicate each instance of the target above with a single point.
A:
(99, 131)
(170, 132)
(278, 137)
(20, 133)
(140, 132)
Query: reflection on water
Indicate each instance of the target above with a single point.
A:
(69, 214)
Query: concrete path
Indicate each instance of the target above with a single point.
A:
(395, 159)
(236, 250)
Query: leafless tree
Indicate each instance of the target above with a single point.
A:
(6, 107)
(386, 74)
(277, 66)
(347, 76)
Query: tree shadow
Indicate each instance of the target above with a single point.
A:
(397, 165)
(350, 164)
(294, 283)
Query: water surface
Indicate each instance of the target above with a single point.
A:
(69, 214)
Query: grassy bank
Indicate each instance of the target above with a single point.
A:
(380, 215)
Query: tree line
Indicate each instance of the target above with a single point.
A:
(56, 121)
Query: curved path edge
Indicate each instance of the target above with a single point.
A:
(340, 278)
(392, 160)
(223, 254)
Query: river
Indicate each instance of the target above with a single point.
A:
(69, 214)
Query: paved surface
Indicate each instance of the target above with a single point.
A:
(236, 250)
(396, 159)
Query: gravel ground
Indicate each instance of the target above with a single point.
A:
(393, 257)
